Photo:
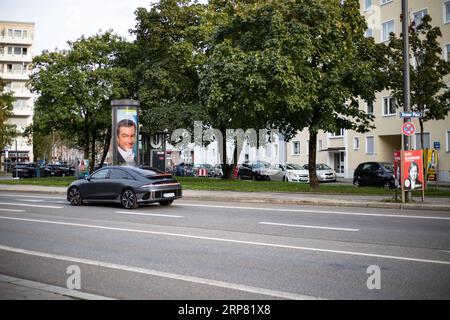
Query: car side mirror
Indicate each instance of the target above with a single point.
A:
(88, 178)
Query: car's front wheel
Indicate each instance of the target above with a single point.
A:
(128, 199)
(356, 182)
(74, 197)
(166, 203)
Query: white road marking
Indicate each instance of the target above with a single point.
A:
(264, 244)
(174, 276)
(32, 200)
(315, 211)
(148, 214)
(26, 196)
(304, 226)
(12, 210)
(29, 205)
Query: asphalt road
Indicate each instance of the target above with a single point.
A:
(213, 250)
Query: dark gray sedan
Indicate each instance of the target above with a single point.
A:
(129, 186)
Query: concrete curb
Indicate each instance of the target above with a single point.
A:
(53, 289)
(203, 196)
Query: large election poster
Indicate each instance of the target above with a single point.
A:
(412, 173)
(126, 136)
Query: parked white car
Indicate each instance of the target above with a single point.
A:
(288, 172)
(324, 172)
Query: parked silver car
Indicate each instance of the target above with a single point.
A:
(324, 172)
(291, 172)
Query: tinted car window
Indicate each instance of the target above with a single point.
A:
(366, 167)
(146, 172)
(388, 167)
(100, 174)
(374, 166)
(118, 174)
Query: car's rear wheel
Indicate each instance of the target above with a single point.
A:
(128, 199)
(166, 203)
(356, 182)
(387, 184)
(74, 197)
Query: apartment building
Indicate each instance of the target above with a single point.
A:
(344, 150)
(16, 44)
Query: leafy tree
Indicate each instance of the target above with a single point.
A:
(75, 90)
(7, 131)
(430, 94)
(165, 60)
(291, 65)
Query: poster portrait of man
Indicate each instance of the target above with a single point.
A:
(126, 136)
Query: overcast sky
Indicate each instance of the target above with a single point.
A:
(57, 21)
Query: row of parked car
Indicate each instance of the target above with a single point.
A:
(33, 170)
(379, 174)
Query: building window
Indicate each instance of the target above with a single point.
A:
(447, 12)
(369, 107)
(385, 1)
(389, 107)
(307, 147)
(418, 16)
(387, 28)
(370, 145)
(320, 145)
(296, 147)
(447, 52)
(447, 141)
(338, 133)
(355, 143)
(426, 141)
(367, 4)
(368, 33)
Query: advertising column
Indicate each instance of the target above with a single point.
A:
(125, 132)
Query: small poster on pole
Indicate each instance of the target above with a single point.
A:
(431, 164)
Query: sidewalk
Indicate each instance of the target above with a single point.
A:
(18, 289)
(336, 200)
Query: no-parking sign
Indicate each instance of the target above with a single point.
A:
(408, 128)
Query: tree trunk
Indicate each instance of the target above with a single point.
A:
(93, 153)
(106, 146)
(313, 181)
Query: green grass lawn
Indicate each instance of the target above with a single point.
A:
(192, 183)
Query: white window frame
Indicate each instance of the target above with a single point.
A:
(307, 147)
(447, 141)
(383, 2)
(382, 30)
(356, 143)
(367, 108)
(293, 148)
(426, 12)
(444, 18)
(341, 134)
(389, 98)
(417, 139)
(374, 149)
(320, 144)
(447, 52)
(367, 8)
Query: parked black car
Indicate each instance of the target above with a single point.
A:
(183, 169)
(53, 170)
(257, 170)
(378, 174)
(129, 186)
(24, 170)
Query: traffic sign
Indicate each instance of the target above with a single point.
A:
(408, 128)
(437, 145)
(411, 114)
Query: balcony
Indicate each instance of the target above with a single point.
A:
(15, 75)
(23, 111)
(15, 57)
(16, 40)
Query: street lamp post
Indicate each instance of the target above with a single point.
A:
(406, 84)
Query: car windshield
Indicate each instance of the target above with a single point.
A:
(388, 166)
(320, 166)
(294, 166)
(261, 165)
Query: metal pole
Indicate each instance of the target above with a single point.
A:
(406, 86)
(17, 159)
